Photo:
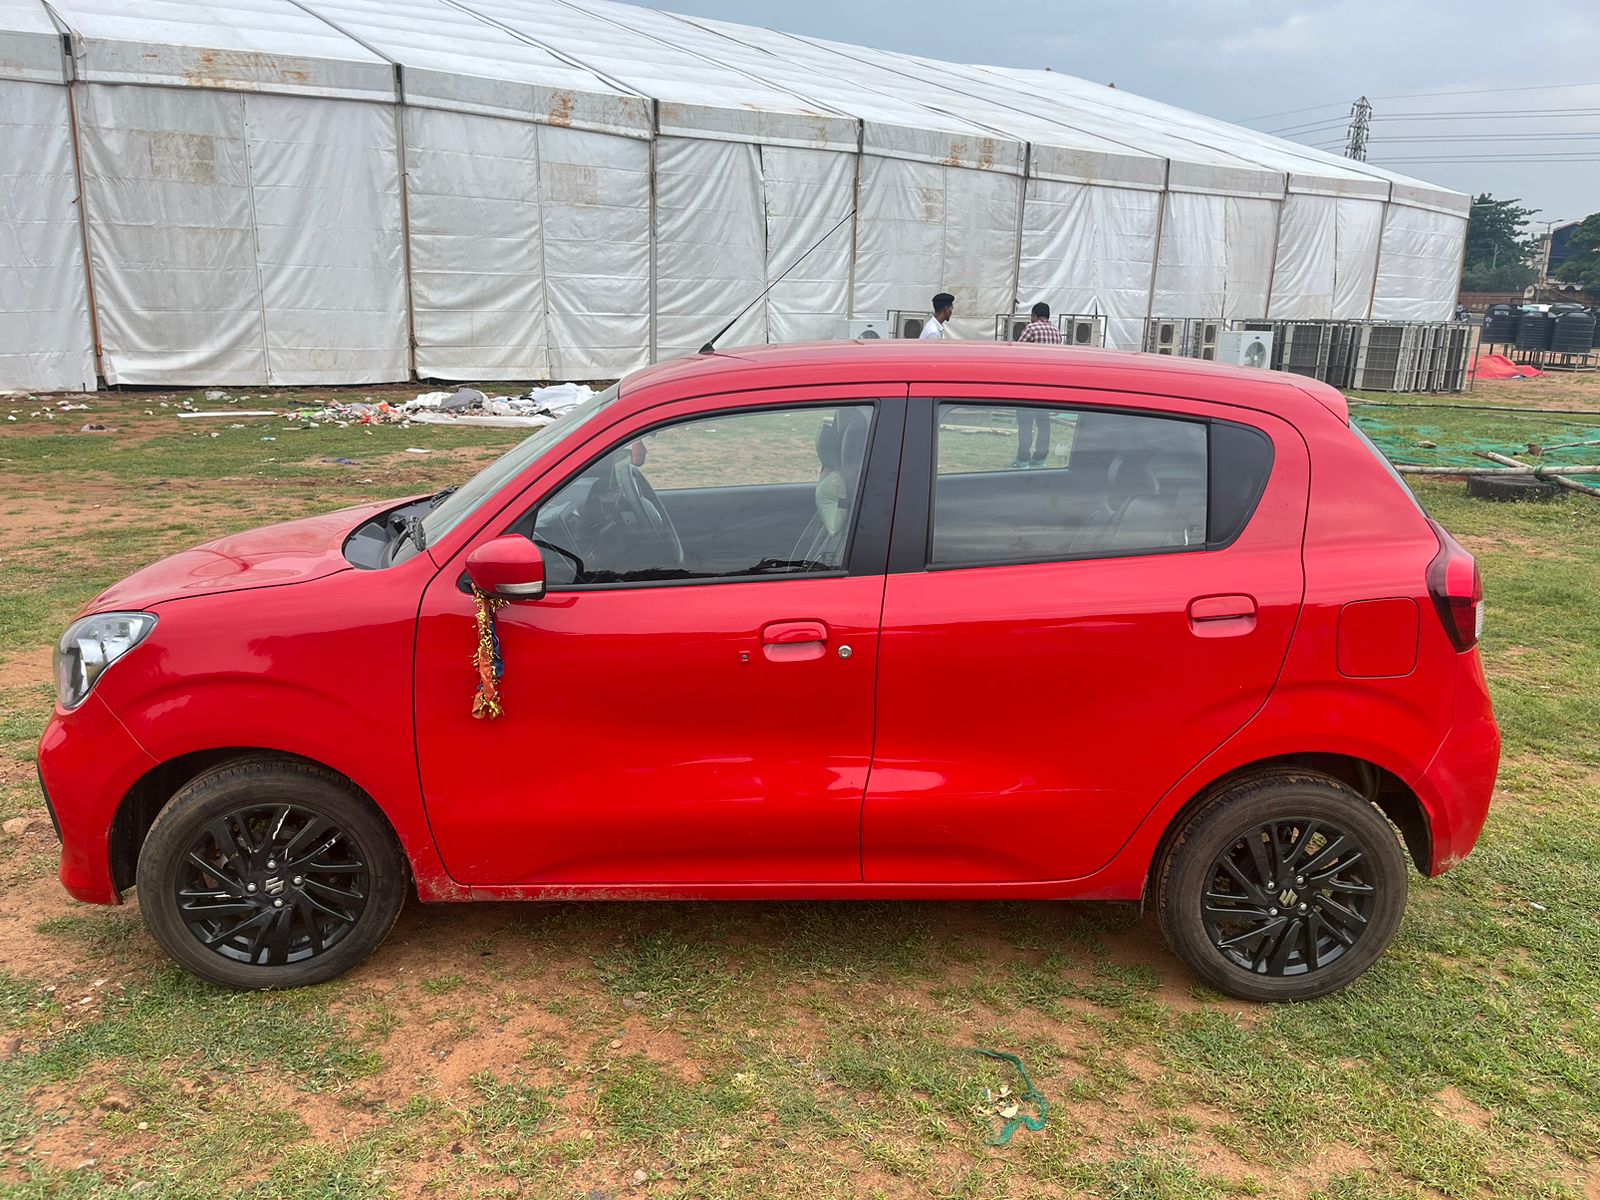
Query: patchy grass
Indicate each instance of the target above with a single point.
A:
(798, 1049)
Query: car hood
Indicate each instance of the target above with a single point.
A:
(272, 556)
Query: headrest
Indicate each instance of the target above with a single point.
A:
(828, 445)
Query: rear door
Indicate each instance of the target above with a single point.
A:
(1062, 642)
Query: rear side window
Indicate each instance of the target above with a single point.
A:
(1387, 466)
(1037, 484)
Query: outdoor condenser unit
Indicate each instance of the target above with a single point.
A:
(867, 329)
(1245, 348)
(1302, 348)
(903, 324)
(1083, 331)
(1383, 357)
(1203, 338)
(1008, 327)
(1163, 336)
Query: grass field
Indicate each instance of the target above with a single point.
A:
(816, 1050)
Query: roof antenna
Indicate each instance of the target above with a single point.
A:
(711, 346)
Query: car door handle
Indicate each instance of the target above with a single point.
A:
(1222, 616)
(794, 641)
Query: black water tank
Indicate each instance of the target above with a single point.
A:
(1535, 331)
(1565, 307)
(1500, 324)
(1574, 333)
(1595, 313)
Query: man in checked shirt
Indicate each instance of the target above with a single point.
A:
(1033, 424)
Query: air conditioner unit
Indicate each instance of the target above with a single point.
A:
(869, 329)
(1245, 348)
(1163, 336)
(908, 325)
(1202, 340)
(1302, 348)
(1384, 357)
(1083, 331)
(1008, 327)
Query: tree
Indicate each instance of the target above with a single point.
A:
(1583, 268)
(1499, 249)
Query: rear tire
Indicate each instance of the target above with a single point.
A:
(270, 873)
(1330, 904)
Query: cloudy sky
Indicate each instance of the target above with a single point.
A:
(1239, 60)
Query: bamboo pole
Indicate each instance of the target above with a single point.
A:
(1553, 472)
(1572, 485)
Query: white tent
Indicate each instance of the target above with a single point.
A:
(348, 191)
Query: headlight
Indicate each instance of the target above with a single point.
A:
(92, 645)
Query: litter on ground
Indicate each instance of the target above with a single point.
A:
(465, 406)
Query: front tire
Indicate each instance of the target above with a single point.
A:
(269, 873)
(1285, 885)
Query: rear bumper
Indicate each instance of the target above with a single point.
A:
(87, 763)
(1458, 783)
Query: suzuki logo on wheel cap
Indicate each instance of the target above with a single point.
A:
(274, 886)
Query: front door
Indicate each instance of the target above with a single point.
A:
(692, 701)
(1081, 621)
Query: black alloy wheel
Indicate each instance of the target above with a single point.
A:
(1283, 884)
(1289, 897)
(272, 885)
(270, 872)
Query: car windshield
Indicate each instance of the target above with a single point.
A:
(456, 506)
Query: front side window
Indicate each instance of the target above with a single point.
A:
(1037, 484)
(772, 492)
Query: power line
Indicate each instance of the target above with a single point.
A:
(1494, 158)
(1520, 114)
(1313, 126)
(1492, 137)
(1544, 87)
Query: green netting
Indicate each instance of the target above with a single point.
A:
(1405, 434)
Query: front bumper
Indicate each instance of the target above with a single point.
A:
(88, 762)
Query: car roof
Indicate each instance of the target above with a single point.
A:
(933, 361)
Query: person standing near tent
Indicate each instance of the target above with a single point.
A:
(1033, 425)
(944, 307)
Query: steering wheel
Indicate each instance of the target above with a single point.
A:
(641, 500)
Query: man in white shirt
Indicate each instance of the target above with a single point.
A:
(944, 307)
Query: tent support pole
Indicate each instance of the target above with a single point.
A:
(655, 134)
(405, 217)
(855, 227)
(1377, 261)
(1155, 258)
(1022, 212)
(83, 221)
(1277, 244)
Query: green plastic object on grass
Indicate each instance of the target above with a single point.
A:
(1029, 1095)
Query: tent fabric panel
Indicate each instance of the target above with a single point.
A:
(1419, 264)
(30, 46)
(710, 244)
(1251, 245)
(477, 281)
(1192, 271)
(45, 338)
(1088, 250)
(1358, 229)
(252, 45)
(807, 194)
(325, 187)
(594, 201)
(1303, 280)
(982, 209)
(171, 241)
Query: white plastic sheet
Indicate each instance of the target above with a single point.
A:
(1216, 256)
(45, 341)
(710, 244)
(1327, 253)
(808, 192)
(1090, 250)
(326, 196)
(171, 239)
(594, 195)
(1419, 266)
(477, 249)
(924, 229)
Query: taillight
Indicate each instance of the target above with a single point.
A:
(1456, 585)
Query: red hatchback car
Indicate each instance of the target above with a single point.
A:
(810, 622)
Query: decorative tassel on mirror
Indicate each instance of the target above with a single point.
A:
(487, 659)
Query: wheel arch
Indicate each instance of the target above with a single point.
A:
(1386, 790)
(150, 793)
